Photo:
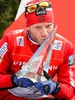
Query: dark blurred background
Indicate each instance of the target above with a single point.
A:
(8, 10)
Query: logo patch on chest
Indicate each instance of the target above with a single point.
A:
(57, 45)
(20, 41)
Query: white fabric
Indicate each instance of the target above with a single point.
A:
(30, 92)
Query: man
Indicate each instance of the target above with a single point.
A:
(19, 46)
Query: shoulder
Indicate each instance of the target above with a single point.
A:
(59, 37)
(67, 45)
(8, 38)
(15, 32)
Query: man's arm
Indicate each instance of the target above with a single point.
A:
(66, 74)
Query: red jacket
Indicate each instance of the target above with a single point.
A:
(13, 53)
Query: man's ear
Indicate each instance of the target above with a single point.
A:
(27, 28)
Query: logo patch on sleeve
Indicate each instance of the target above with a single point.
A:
(71, 60)
(3, 49)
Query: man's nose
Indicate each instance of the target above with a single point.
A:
(44, 32)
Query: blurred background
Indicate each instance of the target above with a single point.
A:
(8, 10)
(63, 13)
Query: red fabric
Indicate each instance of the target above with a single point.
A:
(11, 63)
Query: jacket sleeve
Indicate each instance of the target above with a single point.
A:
(5, 62)
(66, 74)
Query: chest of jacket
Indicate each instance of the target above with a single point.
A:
(22, 52)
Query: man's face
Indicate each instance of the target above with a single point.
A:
(40, 31)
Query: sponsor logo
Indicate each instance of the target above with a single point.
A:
(20, 41)
(57, 45)
(53, 67)
(20, 63)
(3, 49)
(71, 60)
(18, 31)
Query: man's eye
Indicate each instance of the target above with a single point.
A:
(38, 27)
(48, 26)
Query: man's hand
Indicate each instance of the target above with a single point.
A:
(49, 86)
(46, 87)
(21, 81)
